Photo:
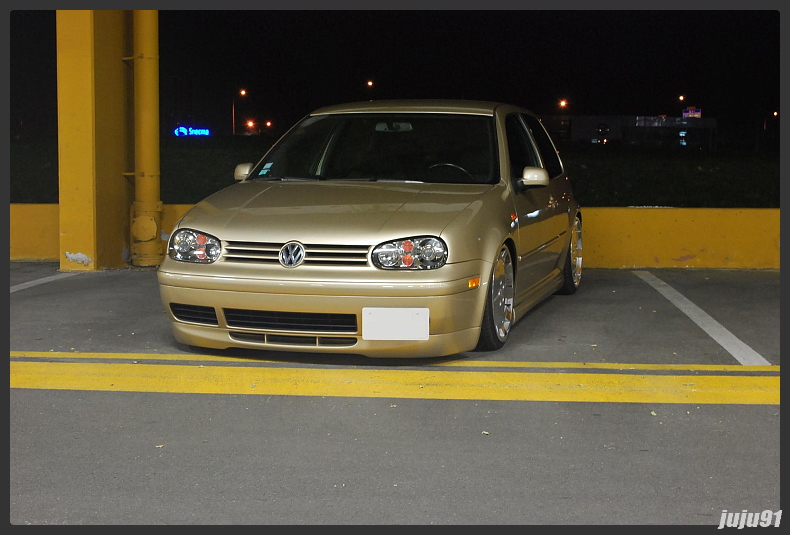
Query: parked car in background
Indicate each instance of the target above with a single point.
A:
(381, 228)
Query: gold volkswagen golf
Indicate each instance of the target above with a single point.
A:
(381, 228)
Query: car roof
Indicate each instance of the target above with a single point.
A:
(471, 107)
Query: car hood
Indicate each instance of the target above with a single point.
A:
(353, 213)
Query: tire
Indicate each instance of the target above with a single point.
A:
(498, 314)
(572, 272)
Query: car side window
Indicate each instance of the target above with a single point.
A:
(519, 147)
(551, 160)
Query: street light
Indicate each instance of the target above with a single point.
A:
(250, 124)
(369, 84)
(243, 93)
(682, 98)
(563, 103)
(268, 124)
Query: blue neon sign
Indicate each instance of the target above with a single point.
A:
(181, 131)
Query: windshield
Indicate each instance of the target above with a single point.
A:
(446, 148)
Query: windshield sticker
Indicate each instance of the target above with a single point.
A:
(265, 169)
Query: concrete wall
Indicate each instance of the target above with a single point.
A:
(34, 232)
(613, 237)
(681, 237)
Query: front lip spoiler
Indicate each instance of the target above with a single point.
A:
(437, 345)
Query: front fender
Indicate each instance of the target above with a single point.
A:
(478, 231)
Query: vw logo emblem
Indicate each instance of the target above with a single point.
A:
(292, 254)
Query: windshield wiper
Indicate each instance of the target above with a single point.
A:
(286, 178)
(376, 180)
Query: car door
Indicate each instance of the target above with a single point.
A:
(533, 211)
(559, 191)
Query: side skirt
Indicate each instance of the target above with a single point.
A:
(539, 292)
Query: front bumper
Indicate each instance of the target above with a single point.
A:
(455, 311)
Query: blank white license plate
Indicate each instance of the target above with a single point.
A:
(395, 323)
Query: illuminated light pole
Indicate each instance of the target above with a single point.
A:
(268, 124)
(563, 103)
(682, 98)
(242, 92)
(370, 87)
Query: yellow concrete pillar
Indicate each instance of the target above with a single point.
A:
(147, 249)
(94, 138)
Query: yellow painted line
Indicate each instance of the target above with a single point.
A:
(608, 366)
(372, 383)
(183, 357)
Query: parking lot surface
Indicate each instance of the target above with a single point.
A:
(615, 405)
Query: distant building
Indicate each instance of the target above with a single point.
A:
(633, 130)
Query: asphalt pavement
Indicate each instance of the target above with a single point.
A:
(612, 406)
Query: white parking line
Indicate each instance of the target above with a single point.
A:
(734, 346)
(42, 281)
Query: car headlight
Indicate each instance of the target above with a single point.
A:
(424, 252)
(189, 245)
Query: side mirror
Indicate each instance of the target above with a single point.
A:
(533, 176)
(242, 171)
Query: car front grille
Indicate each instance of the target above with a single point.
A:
(290, 321)
(315, 255)
(194, 313)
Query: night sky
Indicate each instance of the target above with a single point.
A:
(290, 62)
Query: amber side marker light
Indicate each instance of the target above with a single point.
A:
(474, 283)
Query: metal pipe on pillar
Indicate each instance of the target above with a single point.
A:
(147, 248)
